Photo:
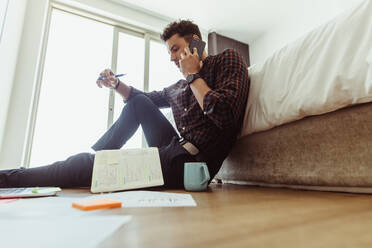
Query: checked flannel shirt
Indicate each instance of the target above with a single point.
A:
(214, 130)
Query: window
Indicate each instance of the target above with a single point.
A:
(72, 111)
(162, 72)
(131, 56)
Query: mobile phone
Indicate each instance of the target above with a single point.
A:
(199, 44)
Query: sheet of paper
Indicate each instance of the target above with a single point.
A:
(88, 231)
(126, 169)
(53, 222)
(149, 199)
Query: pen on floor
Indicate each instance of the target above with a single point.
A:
(117, 75)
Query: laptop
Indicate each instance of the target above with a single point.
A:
(6, 193)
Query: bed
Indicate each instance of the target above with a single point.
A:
(309, 113)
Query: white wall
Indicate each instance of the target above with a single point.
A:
(9, 47)
(23, 81)
(17, 96)
(3, 9)
(312, 14)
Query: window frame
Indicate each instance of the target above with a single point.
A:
(118, 27)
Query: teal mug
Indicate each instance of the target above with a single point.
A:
(196, 176)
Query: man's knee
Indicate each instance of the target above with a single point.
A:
(139, 99)
(78, 169)
(84, 160)
(141, 104)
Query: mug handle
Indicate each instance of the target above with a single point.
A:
(206, 174)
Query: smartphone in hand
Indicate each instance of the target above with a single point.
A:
(199, 44)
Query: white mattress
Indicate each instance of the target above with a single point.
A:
(327, 69)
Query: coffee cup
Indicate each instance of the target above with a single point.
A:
(196, 176)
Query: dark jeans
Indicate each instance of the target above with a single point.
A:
(76, 171)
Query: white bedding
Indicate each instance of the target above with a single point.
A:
(329, 68)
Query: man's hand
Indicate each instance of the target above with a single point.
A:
(108, 79)
(189, 62)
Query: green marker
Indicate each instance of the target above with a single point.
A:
(35, 190)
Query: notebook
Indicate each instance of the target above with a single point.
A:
(116, 170)
(28, 192)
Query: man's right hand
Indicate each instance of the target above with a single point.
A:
(108, 79)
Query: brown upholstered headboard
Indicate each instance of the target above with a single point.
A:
(217, 43)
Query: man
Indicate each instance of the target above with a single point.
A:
(208, 110)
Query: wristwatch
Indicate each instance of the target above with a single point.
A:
(116, 85)
(192, 77)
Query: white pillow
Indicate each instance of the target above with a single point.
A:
(369, 61)
(327, 69)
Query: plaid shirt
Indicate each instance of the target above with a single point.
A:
(215, 129)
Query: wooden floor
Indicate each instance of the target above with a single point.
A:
(245, 216)
(242, 216)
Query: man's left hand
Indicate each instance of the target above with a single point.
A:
(189, 62)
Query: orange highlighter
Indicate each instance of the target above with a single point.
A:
(96, 204)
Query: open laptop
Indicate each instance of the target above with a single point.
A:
(28, 192)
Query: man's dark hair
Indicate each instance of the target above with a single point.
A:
(184, 28)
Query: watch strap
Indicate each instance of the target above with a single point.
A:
(116, 85)
(192, 77)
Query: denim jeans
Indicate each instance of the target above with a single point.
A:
(76, 171)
